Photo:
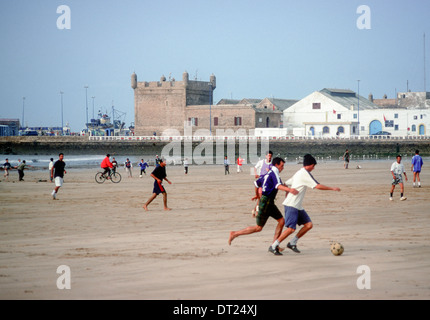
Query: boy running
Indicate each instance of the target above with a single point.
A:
(397, 169)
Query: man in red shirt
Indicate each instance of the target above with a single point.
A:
(106, 164)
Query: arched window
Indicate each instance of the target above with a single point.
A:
(340, 130)
(326, 130)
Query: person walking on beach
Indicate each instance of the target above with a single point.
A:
(397, 169)
(6, 168)
(51, 164)
(143, 165)
(417, 163)
(295, 214)
(270, 183)
(21, 167)
(106, 165)
(128, 166)
(186, 165)
(346, 159)
(239, 164)
(226, 166)
(57, 173)
(159, 174)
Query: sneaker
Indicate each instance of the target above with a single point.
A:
(403, 198)
(275, 251)
(293, 247)
(391, 198)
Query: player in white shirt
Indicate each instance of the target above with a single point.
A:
(397, 169)
(295, 214)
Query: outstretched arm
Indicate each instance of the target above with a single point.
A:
(323, 187)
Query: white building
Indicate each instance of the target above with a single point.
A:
(340, 113)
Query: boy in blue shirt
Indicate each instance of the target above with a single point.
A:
(417, 163)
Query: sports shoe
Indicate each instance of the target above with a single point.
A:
(391, 198)
(275, 251)
(403, 198)
(293, 247)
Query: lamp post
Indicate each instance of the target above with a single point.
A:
(23, 103)
(358, 107)
(86, 103)
(93, 106)
(210, 109)
(62, 126)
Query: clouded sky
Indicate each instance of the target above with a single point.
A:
(256, 49)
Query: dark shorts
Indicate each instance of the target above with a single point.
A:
(158, 188)
(294, 217)
(266, 209)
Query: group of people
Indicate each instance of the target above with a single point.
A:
(267, 185)
(398, 171)
(21, 166)
(110, 167)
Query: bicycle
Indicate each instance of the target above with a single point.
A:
(115, 177)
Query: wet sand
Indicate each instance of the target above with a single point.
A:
(116, 250)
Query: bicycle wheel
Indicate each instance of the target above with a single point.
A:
(100, 178)
(115, 177)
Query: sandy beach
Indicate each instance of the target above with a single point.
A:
(116, 250)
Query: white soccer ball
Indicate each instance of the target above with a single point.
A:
(336, 248)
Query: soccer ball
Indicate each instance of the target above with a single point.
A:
(336, 248)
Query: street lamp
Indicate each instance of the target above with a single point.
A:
(210, 109)
(23, 103)
(86, 102)
(62, 126)
(93, 106)
(358, 107)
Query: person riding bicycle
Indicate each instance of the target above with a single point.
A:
(106, 165)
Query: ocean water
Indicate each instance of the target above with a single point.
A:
(72, 161)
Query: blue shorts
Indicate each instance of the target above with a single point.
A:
(158, 188)
(294, 217)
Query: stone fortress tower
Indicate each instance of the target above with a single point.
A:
(162, 105)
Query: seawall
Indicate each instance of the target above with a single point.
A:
(287, 148)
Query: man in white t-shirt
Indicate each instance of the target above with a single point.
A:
(295, 214)
(397, 169)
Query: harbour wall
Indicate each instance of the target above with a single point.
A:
(287, 148)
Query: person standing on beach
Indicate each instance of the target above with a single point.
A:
(295, 214)
(270, 183)
(51, 164)
(346, 159)
(226, 166)
(417, 163)
(128, 166)
(397, 169)
(159, 174)
(239, 164)
(6, 168)
(114, 165)
(57, 173)
(186, 165)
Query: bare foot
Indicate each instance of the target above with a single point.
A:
(145, 207)
(167, 209)
(231, 237)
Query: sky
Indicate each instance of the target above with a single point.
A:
(256, 49)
